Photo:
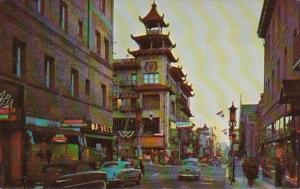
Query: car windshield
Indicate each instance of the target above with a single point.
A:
(192, 163)
(110, 164)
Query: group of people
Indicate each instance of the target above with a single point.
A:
(251, 167)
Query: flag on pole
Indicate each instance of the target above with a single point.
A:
(220, 113)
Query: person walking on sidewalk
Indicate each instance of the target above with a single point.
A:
(278, 173)
(250, 169)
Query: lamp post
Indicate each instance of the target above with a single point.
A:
(232, 124)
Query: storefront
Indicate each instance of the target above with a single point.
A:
(100, 143)
(49, 143)
(11, 134)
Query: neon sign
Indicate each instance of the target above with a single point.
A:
(60, 138)
(74, 123)
(7, 112)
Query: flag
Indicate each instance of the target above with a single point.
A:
(220, 113)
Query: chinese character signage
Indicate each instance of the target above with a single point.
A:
(8, 104)
(59, 138)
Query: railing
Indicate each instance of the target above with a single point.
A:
(154, 31)
(127, 108)
(127, 82)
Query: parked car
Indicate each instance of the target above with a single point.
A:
(189, 169)
(70, 174)
(121, 172)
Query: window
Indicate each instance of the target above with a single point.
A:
(63, 16)
(151, 77)
(151, 126)
(102, 5)
(80, 29)
(39, 6)
(74, 82)
(18, 57)
(49, 72)
(103, 90)
(173, 108)
(151, 102)
(133, 78)
(106, 43)
(98, 42)
(87, 87)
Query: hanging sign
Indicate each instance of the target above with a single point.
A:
(7, 111)
(182, 125)
(101, 128)
(74, 123)
(59, 138)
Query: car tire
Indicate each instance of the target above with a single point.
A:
(197, 178)
(139, 180)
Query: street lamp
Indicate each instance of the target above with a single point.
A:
(232, 124)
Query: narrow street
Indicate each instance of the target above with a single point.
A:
(165, 177)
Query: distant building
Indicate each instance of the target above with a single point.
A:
(205, 140)
(151, 95)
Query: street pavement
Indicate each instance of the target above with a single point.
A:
(165, 177)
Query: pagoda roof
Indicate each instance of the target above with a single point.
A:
(187, 89)
(154, 36)
(204, 127)
(160, 51)
(127, 63)
(186, 109)
(177, 74)
(152, 87)
(153, 18)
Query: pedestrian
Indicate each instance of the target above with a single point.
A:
(142, 167)
(278, 173)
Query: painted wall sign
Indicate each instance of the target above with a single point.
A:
(74, 123)
(59, 138)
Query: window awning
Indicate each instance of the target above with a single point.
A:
(105, 137)
(290, 91)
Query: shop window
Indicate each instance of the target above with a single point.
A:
(98, 42)
(18, 57)
(151, 78)
(74, 82)
(151, 102)
(151, 126)
(63, 16)
(103, 97)
(49, 72)
(106, 45)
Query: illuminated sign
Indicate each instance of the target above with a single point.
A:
(7, 112)
(101, 128)
(59, 138)
(74, 123)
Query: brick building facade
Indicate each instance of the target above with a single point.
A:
(55, 65)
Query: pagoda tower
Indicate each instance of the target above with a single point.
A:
(154, 42)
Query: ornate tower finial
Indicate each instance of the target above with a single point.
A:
(154, 4)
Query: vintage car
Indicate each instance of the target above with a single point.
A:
(121, 172)
(71, 174)
(189, 169)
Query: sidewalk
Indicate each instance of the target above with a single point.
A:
(241, 181)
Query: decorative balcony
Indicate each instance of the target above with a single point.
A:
(127, 108)
(172, 85)
(152, 141)
(131, 95)
(127, 83)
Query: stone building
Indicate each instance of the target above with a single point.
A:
(55, 72)
(279, 27)
(150, 94)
